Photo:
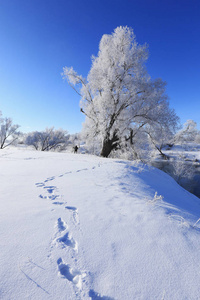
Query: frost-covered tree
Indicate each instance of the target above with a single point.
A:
(50, 139)
(159, 136)
(119, 97)
(75, 139)
(182, 170)
(8, 132)
(187, 134)
(197, 138)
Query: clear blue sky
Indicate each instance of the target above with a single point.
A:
(39, 37)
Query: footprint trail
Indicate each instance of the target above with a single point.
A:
(63, 240)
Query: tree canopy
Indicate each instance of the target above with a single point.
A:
(119, 98)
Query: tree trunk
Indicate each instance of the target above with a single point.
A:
(109, 144)
(107, 148)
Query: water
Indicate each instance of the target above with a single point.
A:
(190, 184)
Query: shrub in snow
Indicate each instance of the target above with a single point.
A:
(156, 198)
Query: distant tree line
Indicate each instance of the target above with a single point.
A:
(46, 140)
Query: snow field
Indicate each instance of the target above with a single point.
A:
(83, 227)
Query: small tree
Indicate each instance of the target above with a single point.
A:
(8, 132)
(50, 139)
(118, 96)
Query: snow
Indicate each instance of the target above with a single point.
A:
(76, 226)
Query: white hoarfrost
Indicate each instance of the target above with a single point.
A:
(82, 227)
(119, 98)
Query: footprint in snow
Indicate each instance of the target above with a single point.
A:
(61, 225)
(43, 197)
(49, 179)
(67, 240)
(71, 208)
(58, 203)
(97, 296)
(73, 275)
(81, 170)
(50, 189)
(53, 197)
(39, 184)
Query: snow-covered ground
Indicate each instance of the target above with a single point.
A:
(76, 226)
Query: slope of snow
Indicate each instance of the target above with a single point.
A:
(82, 227)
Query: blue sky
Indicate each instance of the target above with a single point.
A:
(39, 37)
